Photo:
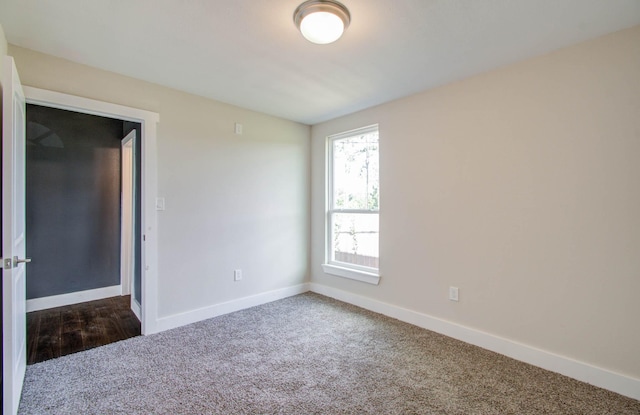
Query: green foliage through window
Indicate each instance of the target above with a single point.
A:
(355, 198)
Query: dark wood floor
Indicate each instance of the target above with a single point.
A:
(64, 330)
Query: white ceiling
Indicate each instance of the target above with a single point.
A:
(249, 53)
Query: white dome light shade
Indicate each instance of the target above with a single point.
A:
(321, 21)
(321, 27)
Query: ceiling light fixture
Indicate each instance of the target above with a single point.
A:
(321, 21)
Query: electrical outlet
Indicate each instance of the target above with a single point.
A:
(453, 293)
(237, 274)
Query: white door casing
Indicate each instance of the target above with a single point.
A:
(13, 239)
(148, 191)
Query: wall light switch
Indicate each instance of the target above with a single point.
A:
(237, 274)
(159, 203)
(238, 128)
(453, 293)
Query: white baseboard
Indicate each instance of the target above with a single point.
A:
(135, 307)
(177, 320)
(72, 298)
(581, 371)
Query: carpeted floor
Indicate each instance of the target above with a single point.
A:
(304, 355)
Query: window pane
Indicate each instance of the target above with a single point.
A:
(355, 238)
(355, 172)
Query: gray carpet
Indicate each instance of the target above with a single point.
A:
(304, 355)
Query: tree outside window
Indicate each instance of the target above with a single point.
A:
(354, 198)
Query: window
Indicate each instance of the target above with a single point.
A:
(353, 186)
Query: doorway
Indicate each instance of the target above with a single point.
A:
(73, 201)
(146, 288)
(82, 201)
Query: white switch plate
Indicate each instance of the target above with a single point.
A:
(238, 128)
(237, 274)
(159, 203)
(453, 293)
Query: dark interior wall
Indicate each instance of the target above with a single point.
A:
(72, 200)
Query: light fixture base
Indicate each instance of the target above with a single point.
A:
(335, 10)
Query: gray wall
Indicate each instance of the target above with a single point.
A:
(232, 201)
(73, 201)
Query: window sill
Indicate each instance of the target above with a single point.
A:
(363, 276)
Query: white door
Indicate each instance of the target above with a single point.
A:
(14, 356)
(127, 221)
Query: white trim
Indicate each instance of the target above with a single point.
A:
(581, 371)
(63, 101)
(148, 121)
(182, 319)
(135, 307)
(356, 131)
(352, 273)
(72, 298)
(356, 211)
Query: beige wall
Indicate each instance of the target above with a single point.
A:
(231, 201)
(521, 187)
(3, 51)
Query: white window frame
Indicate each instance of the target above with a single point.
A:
(352, 271)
